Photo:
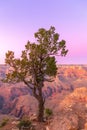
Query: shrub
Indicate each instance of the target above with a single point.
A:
(48, 112)
(4, 122)
(24, 123)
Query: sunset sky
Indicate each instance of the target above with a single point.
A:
(20, 19)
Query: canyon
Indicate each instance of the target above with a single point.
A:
(66, 96)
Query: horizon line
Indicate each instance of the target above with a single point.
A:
(57, 64)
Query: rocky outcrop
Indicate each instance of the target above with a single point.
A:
(16, 100)
(25, 105)
(65, 121)
(73, 110)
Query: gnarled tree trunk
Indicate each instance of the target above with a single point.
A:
(40, 109)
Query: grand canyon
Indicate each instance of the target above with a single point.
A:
(66, 96)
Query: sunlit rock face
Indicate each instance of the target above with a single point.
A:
(71, 113)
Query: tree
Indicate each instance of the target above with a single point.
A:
(37, 64)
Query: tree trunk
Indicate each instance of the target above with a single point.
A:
(40, 109)
(37, 91)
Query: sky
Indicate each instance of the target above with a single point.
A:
(20, 19)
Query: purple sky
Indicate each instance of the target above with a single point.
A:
(20, 19)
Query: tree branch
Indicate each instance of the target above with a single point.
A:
(48, 80)
(30, 85)
(35, 94)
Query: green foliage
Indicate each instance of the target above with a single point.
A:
(4, 122)
(24, 123)
(48, 112)
(37, 60)
(51, 65)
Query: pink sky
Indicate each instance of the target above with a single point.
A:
(20, 19)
